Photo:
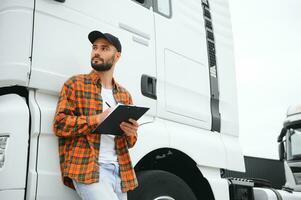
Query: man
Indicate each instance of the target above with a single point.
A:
(98, 166)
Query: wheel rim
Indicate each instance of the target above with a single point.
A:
(164, 198)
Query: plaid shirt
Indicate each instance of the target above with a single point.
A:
(76, 116)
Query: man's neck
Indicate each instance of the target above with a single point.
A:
(106, 78)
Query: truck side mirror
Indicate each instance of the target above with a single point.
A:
(281, 151)
(282, 134)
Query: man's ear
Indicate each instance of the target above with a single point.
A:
(117, 56)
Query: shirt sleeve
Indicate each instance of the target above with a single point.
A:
(66, 123)
(131, 141)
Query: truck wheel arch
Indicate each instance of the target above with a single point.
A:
(179, 164)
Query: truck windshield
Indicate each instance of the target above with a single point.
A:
(294, 143)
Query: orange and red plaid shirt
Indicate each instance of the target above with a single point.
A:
(76, 116)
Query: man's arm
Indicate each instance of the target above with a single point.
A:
(66, 123)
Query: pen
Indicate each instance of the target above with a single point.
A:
(108, 104)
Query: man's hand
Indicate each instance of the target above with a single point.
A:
(103, 115)
(130, 129)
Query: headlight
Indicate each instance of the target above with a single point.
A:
(3, 145)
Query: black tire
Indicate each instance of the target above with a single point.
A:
(156, 183)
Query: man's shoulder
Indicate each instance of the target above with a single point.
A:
(78, 79)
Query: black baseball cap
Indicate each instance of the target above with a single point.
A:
(94, 35)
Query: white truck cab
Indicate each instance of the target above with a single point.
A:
(177, 59)
(290, 147)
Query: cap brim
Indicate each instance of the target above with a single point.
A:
(94, 35)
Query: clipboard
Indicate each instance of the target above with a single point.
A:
(121, 113)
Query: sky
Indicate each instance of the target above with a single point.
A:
(267, 46)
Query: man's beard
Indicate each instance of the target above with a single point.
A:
(104, 66)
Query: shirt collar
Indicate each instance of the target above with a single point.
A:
(96, 80)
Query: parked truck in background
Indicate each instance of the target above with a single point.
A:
(283, 174)
(177, 59)
(290, 147)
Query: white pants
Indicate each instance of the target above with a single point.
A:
(108, 188)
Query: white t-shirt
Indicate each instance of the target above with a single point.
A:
(107, 152)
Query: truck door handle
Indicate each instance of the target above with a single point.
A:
(62, 1)
(148, 86)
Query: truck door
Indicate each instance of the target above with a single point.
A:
(183, 80)
(62, 49)
(183, 74)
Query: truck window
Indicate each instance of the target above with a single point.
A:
(295, 144)
(163, 7)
